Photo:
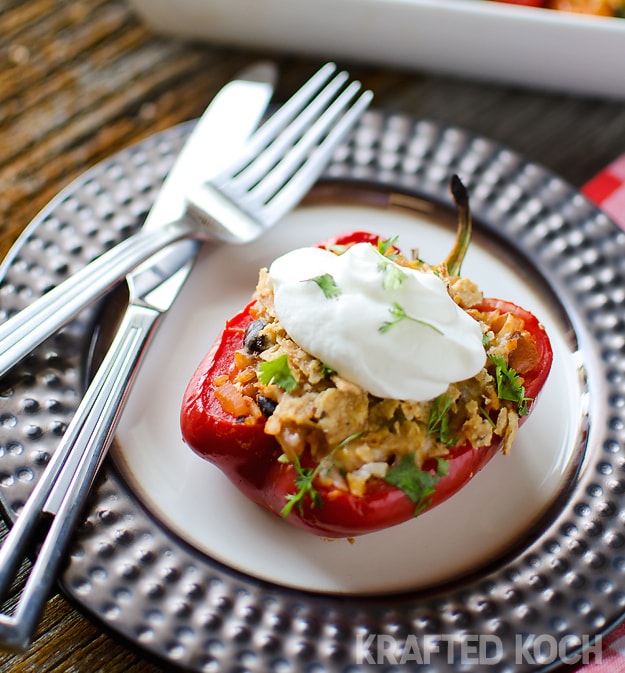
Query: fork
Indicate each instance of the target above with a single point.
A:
(278, 165)
(280, 162)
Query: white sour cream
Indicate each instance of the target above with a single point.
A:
(427, 341)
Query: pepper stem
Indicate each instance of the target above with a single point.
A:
(463, 237)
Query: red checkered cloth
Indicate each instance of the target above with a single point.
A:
(607, 190)
(612, 655)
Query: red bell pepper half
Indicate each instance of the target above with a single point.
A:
(250, 458)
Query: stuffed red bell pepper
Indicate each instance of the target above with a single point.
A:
(394, 384)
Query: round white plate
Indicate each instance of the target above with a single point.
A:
(197, 502)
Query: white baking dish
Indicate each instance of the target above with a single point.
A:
(474, 38)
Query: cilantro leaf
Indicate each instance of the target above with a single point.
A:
(509, 385)
(304, 477)
(487, 417)
(399, 314)
(337, 249)
(416, 483)
(385, 247)
(277, 372)
(327, 370)
(438, 421)
(393, 275)
(327, 284)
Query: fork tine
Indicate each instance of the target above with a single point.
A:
(300, 157)
(272, 128)
(263, 163)
(293, 189)
(231, 212)
(272, 180)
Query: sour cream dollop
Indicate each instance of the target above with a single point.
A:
(392, 330)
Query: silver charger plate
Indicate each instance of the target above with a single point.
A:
(127, 570)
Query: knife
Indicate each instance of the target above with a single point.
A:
(63, 487)
(235, 107)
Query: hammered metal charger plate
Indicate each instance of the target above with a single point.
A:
(131, 573)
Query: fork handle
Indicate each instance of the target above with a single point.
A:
(73, 467)
(27, 329)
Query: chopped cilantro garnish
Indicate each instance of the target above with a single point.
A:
(327, 284)
(385, 246)
(438, 421)
(509, 385)
(416, 483)
(304, 477)
(487, 417)
(399, 314)
(327, 370)
(393, 275)
(337, 249)
(277, 372)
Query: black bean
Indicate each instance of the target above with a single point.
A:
(254, 341)
(266, 405)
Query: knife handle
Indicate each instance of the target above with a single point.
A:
(24, 331)
(64, 485)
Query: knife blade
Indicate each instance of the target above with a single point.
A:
(64, 486)
(236, 106)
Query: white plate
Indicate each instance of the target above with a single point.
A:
(198, 502)
(480, 39)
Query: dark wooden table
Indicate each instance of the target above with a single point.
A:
(82, 79)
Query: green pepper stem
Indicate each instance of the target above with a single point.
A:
(463, 237)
